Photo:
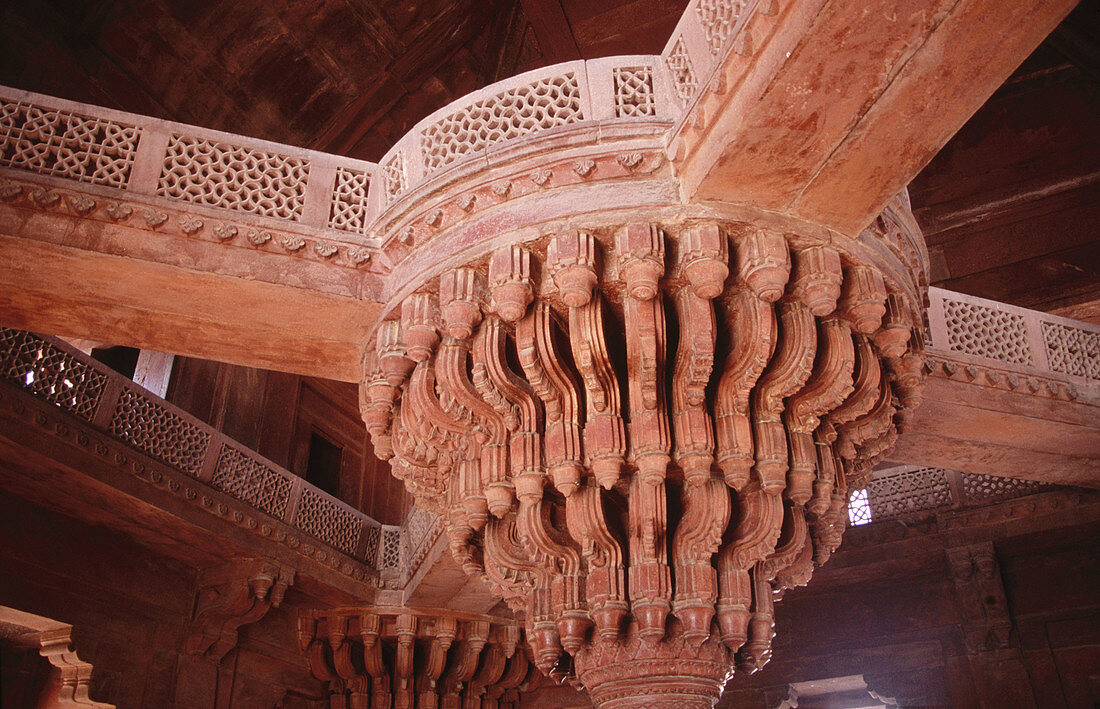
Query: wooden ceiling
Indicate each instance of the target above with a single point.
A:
(1010, 207)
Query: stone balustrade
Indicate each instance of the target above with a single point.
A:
(57, 374)
(977, 330)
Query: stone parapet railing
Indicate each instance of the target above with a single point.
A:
(909, 491)
(54, 372)
(694, 52)
(281, 185)
(288, 187)
(578, 95)
(971, 329)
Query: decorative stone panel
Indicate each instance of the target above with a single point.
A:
(634, 92)
(907, 492)
(546, 103)
(50, 373)
(251, 481)
(986, 332)
(66, 144)
(987, 489)
(683, 75)
(372, 534)
(1071, 350)
(328, 521)
(391, 548)
(233, 177)
(168, 437)
(348, 210)
(394, 177)
(718, 18)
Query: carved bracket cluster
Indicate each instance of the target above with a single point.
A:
(640, 437)
(382, 658)
(229, 597)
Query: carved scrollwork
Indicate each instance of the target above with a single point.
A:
(636, 514)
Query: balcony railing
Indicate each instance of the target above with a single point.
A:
(1017, 339)
(59, 374)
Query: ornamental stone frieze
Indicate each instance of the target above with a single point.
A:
(640, 432)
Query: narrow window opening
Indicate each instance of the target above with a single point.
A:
(121, 359)
(859, 508)
(323, 467)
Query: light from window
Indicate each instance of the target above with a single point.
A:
(859, 508)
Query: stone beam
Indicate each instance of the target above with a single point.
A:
(826, 108)
(1011, 392)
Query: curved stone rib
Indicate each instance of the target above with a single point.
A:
(870, 425)
(757, 651)
(828, 386)
(404, 665)
(508, 567)
(692, 425)
(759, 523)
(697, 538)
(605, 582)
(464, 662)
(752, 331)
(514, 675)
(491, 373)
(604, 433)
(446, 629)
(555, 385)
(793, 537)
(788, 370)
(866, 377)
(370, 627)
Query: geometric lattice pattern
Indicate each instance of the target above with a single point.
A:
(683, 75)
(718, 18)
(348, 211)
(329, 522)
(50, 373)
(1071, 350)
(904, 493)
(66, 144)
(516, 112)
(145, 424)
(372, 534)
(986, 332)
(859, 511)
(391, 548)
(393, 175)
(985, 489)
(232, 177)
(634, 91)
(251, 481)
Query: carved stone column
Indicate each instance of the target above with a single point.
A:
(641, 432)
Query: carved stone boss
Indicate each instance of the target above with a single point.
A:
(639, 436)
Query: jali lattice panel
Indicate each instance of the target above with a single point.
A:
(1071, 350)
(50, 373)
(348, 211)
(232, 177)
(985, 489)
(634, 92)
(251, 481)
(66, 144)
(170, 438)
(510, 114)
(986, 332)
(683, 75)
(718, 18)
(327, 521)
(907, 492)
